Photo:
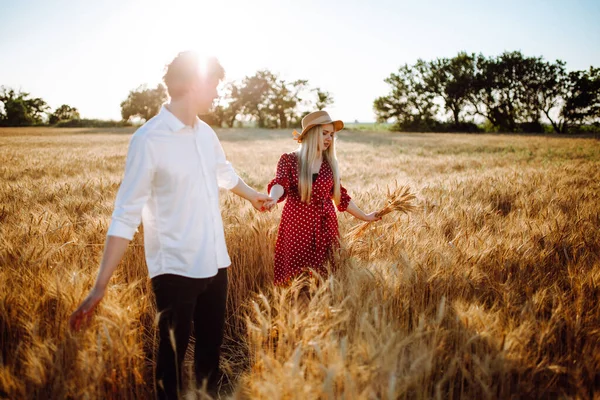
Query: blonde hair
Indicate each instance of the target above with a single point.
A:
(307, 154)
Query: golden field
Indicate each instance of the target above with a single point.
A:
(489, 290)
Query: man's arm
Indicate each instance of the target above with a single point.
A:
(114, 249)
(227, 178)
(132, 196)
(259, 201)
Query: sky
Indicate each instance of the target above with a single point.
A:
(91, 54)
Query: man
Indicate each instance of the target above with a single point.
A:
(175, 164)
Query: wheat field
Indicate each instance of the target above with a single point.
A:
(489, 290)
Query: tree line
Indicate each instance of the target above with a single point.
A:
(18, 108)
(21, 109)
(509, 93)
(264, 98)
(466, 93)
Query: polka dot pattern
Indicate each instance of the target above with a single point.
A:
(308, 233)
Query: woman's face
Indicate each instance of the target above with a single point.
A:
(328, 134)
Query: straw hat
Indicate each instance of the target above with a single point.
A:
(314, 119)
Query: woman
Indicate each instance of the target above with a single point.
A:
(309, 178)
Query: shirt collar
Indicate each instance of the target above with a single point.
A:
(174, 124)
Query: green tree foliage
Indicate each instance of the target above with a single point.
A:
(254, 96)
(64, 113)
(409, 102)
(452, 80)
(324, 99)
(548, 90)
(284, 100)
(143, 103)
(502, 90)
(235, 105)
(266, 98)
(512, 92)
(20, 109)
(581, 98)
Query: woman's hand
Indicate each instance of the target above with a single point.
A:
(371, 217)
(270, 204)
(360, 214)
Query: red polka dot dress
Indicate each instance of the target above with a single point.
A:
(309, 232)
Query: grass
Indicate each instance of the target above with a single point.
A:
(489, 290)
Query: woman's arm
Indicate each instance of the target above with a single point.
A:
(276, 192)
(360, 214)
(279, 186)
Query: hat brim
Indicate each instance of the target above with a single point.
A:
(338, 125)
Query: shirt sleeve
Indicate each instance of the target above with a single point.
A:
(282, 177)
(134, 191)
(227, 178)
(344, 199)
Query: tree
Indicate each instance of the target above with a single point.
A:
(214, 116)
(284, 99)
(512, 91)
(505, 90)
(324, 99)
(520, 90)
(581, 98)
(64, 113)
(143, 102)
(493, 95)
(549, 90)
(271, 101)
(539, 80)
(235, 104)
(20, 109)
(254, 94)
(451, 79)
(409, 102)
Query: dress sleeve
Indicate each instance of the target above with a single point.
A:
(282, 177)
(344, 199)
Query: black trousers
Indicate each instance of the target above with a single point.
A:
(181, 300)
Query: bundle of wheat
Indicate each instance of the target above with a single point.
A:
(400, 200)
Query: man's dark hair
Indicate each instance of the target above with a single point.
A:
(187, 67)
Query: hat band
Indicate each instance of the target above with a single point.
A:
(320, 121)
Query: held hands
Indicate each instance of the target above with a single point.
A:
(270, 204)
(83, 314)
(263, 202)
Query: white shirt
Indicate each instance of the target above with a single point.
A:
(172, 178)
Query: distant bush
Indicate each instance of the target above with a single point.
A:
(531, 127)
(463, 127)
(590, 128)
(435, 126)
(367, 126)
(92, 123)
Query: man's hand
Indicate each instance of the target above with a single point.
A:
(83, 314)
(259, 201)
